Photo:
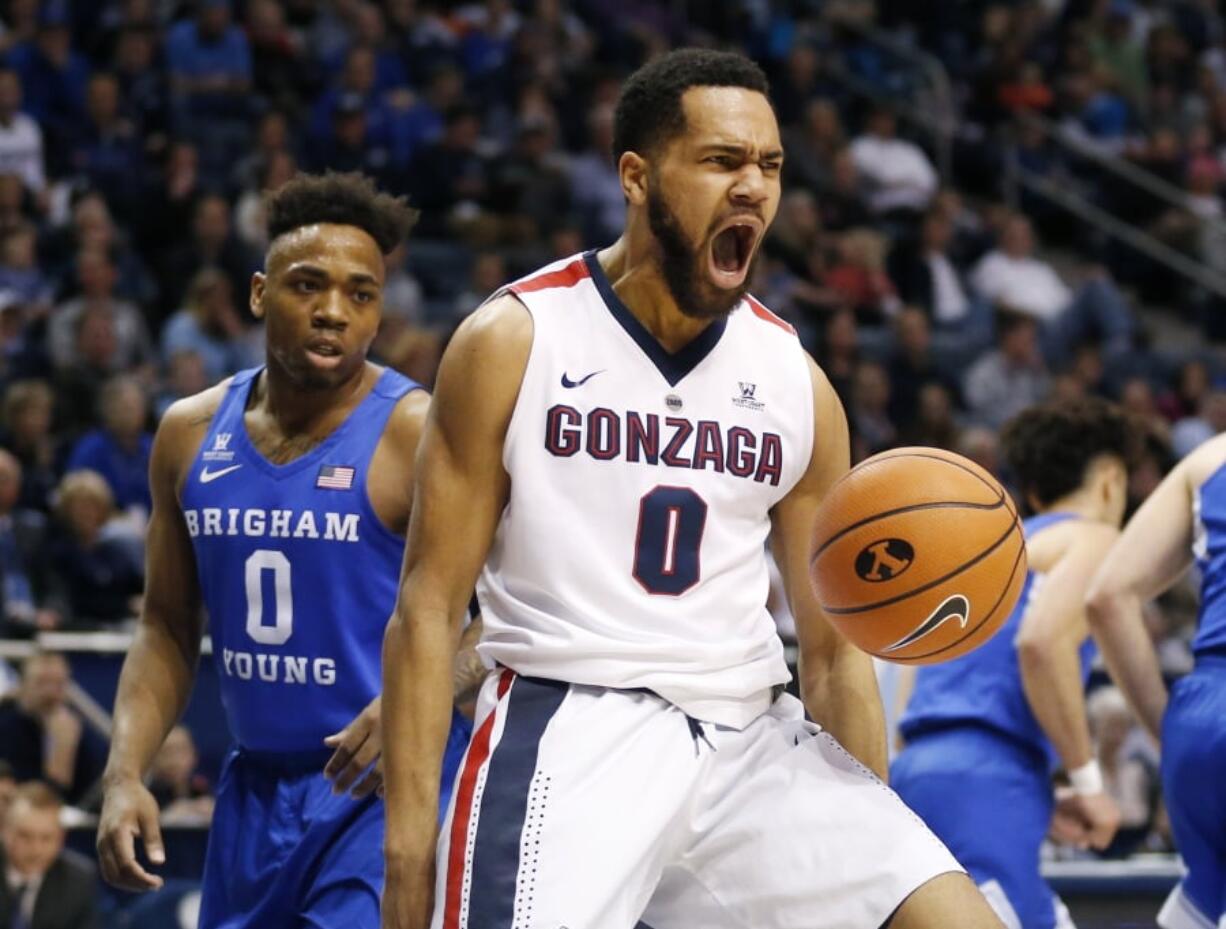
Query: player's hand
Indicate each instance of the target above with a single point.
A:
(1085, 820)
(129, 811)
(408, 897)
(356, 747)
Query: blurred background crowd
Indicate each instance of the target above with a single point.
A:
(985, 204)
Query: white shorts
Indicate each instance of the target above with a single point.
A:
(587, 808)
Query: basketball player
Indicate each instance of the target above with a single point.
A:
(983, 732)
(615, 438)
(1183, 522)
(281, 498)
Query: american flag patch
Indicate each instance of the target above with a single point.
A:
(335, 477)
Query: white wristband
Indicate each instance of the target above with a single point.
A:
(1087, 780)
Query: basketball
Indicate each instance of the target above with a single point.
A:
(918, 555)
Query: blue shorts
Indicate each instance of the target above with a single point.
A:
(286, 853)
(1194, 785)
(990, 801)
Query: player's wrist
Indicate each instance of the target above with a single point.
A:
(1087, 780)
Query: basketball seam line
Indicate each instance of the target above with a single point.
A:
(979, 625)
(910, 508)
(900, 453)
(848, 610)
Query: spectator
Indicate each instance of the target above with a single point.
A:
(20, 273)
(28, 408)
(281, 72)
(595, 186)
(250, 223)
(272, 140)
(1208, 421)
(209, 62)
(45, 886)
(449, 176)
(53, 75)
(212, 244)
(185, 377)
(119, 451)
(350, 145)
(489, 272)
(900, 176)
(868, 415)
(933, 423)
(1012, 277)
(838, 352)
(183, 794)
(8, 789)
(859, 277)
(105, 149)
(96, 561)
(913, 365)
(1010, 378)
(842, 202)
(21, 139)
(528, 188)
(210, 326)
(812, 147)
(142, 84)
(1129, 763)
(97, 277)
(926, 277)
(24, 585)
(41, 736)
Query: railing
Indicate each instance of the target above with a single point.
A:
(939, 121)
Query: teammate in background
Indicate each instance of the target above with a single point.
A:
(280, 502)
(614, 439)
(1183, 522)
(983, 732)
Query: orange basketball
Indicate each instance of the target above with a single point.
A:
(918, 555)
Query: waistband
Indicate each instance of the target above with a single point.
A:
(284, 763)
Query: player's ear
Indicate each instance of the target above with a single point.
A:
(632, 170)
(258, 282)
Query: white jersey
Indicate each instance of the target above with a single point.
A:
(631, 553)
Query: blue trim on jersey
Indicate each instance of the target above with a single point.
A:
(504, 800)
(673, 366)
(1211, 533)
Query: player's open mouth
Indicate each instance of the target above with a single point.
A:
(731, 249)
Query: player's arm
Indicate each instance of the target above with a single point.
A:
(461, 489)
(1048, 647)
(836, 678)
(159, 670)
(1154, 550)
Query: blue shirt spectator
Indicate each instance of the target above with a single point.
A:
(52, 74)
(209, 326)
(121, 449)
(209, 59)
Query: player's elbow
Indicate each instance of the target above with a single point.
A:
(1104, 599)
(1035, 648)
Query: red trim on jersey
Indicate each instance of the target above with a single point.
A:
(457, 854)
(569, 276)
(762, 312)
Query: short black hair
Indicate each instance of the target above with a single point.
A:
(349, 199)
(1048, 447)
(649, 110)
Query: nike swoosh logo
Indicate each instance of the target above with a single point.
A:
(206, 475)
(955, 607)
(568, 383)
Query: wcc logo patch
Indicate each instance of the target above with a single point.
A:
(884, 560)
(747, 399)
(221, 448)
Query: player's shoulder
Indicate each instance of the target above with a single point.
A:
(408, 418)
(764, 321)
(499, 327)
(1204, 462)
(194, 413)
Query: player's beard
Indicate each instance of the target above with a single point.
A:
(684, 265)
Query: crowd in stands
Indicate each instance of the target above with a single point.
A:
(138, 136)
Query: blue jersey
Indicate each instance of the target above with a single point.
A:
(984, 688)
(1210, 548)
(298, 575)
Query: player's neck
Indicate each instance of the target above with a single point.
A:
(1083, 502)
(295, 409)
(636, 279)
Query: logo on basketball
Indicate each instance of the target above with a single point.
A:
(884, 560)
